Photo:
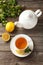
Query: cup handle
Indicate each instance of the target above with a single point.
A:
(38, 13)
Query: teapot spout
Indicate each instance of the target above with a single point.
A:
(18, 24)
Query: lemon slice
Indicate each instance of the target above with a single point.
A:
(6, 36)
(21, 52)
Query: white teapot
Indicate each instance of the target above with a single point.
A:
(28, 19)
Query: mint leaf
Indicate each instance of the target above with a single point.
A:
(27, 50)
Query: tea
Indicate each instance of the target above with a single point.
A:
(21, 43)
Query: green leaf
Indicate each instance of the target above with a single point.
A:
(9, 8)
(27, 50)
(12, 2)
(4, 22)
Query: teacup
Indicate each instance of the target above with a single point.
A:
(21, 43)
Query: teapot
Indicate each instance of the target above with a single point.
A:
(28, 19)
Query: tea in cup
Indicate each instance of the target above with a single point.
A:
(21, 43)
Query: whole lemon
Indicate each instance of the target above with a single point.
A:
(10, 27)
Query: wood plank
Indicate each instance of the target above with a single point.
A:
(34, 5)
(8, 57)
(30, 0)
(28, 32)
(37, 31)
(19, 63)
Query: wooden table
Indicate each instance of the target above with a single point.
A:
(36, 58)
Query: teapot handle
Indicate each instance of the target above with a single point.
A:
(38, 13)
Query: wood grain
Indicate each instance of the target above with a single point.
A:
(36, 58)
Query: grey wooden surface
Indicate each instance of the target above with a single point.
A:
(36, 58)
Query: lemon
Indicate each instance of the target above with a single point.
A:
(21, 52)
(6, 36)
(10, 27)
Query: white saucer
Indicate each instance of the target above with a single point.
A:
(12, 45)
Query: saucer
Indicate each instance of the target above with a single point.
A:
(12, 45)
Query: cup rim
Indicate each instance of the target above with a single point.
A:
(26, 45)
